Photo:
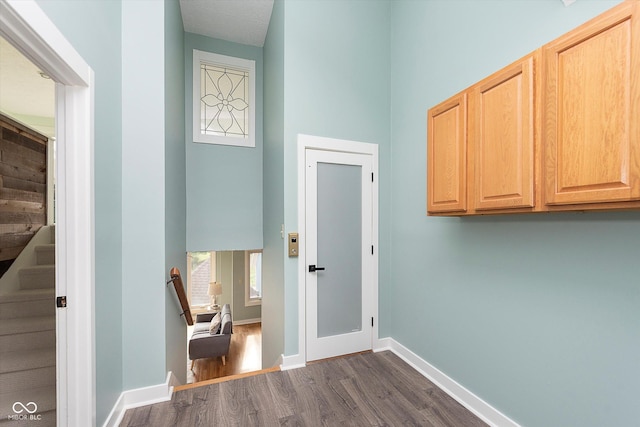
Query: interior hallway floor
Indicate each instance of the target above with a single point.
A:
(245, 355)
(368, 389)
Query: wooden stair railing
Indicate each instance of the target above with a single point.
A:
(182, 296)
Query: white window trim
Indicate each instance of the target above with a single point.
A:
(223, 60)
(249, 302)
(200, 308)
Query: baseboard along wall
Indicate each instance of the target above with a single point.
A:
(473, 403)
(292, 362)
(466, 398)
(162, 392)
(141, 397)
(247, 321)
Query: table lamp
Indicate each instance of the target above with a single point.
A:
(215, 289)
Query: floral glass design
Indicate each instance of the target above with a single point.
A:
(224, 99)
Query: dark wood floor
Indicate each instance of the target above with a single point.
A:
(370, 389)
(245, 355)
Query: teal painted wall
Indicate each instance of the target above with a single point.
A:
(273, 187)
(175, 186)
(536, 314)
(94, 30)
(337, 85)
(143, 194)
(224, 183)
(127, 359)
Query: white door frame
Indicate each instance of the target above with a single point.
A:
(28, 28)
(339, 145)
(344, 342)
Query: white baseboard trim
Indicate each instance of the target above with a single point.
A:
(247, 321)
(278, 362)
(173, 381)
(162, 392)
(140, 397)
(473, 403)
(382, 344)
(294, 361)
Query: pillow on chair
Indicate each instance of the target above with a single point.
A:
(214, 327)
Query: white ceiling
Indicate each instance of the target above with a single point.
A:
(24, 94)
(239, 21)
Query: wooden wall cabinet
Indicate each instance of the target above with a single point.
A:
(481, 144)
(502, 137)
(558, 130)
(592, 111)
(447, 156)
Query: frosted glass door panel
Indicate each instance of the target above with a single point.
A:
(339, 249)
(339, 265)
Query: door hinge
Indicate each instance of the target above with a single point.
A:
(371, 249)
(61, 302)
(372, 322)
(371, 176)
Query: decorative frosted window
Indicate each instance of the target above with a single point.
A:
(223, 99)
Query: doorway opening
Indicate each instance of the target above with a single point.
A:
(27, 236)
(26, 27)
(216, 279)
(356, 162)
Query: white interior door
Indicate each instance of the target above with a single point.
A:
(338, 253)
(32, 33)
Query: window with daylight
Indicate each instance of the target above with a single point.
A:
(253, 278)
(201, 270)
(223, 99)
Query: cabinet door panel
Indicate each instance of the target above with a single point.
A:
(446, 156)
(592, 147)
(503, 138)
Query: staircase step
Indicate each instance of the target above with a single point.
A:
(46, 254)
(26, 325)
(28, 380)
(38, 277)
(29, 303)
(28, 295)
(27, 341)
(14, 361)
(43, 397)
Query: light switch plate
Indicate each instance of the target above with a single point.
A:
(293, 244)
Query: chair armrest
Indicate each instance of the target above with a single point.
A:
(206, 345)
(205, 317)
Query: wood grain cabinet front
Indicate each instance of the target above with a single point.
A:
(481, 145)
(502, 137)
(558, 130)
(592, 111)
(447, 156)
